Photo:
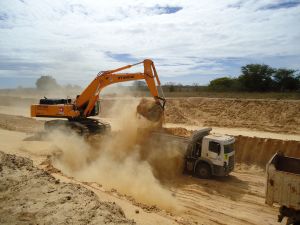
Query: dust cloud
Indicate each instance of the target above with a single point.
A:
(124, 160)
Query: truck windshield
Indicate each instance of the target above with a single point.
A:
(228, 148)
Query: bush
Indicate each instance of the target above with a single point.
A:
(224, 84)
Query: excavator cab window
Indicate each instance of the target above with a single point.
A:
(96, 109)
(55, 101)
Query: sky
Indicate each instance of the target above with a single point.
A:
(190, 41)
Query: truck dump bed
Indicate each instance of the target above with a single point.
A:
(179, 142)
(283, 182)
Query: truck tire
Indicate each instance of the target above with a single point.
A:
(203, 171)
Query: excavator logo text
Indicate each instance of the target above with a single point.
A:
(125, 77)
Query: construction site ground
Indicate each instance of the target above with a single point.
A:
(261, 128)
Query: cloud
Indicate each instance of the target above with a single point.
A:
(166, 9)
(281, 5)
(78, 8)
(3, 16)
(121, 57)
(74, 40)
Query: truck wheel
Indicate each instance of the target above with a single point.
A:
(203, 171)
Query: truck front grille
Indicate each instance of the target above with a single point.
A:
(231, 162)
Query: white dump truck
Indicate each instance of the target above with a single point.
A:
(283, 187)
(206, 154)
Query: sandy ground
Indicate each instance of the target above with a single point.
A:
(237, 199)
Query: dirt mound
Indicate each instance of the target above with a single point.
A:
(20, 123)
(150, 110)
(32, 196)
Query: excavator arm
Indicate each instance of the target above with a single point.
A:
(87, 99)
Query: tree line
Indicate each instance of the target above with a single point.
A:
(253, 78)
(259, 78)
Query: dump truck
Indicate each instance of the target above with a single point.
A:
(205, 154)
(283, 186)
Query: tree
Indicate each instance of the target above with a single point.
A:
(285, 79)
(257, 77)
(46, 83)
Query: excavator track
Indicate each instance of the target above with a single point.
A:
(83, 127)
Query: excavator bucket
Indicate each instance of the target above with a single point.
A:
(151, 110)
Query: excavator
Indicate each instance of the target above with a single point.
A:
(78, 111)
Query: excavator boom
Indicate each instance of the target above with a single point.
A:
(91, 94)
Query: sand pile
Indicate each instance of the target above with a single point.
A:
(29, 195)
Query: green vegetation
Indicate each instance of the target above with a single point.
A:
(259, 78)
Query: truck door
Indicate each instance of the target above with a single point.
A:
(214, 152)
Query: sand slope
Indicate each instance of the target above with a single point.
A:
(31, 196)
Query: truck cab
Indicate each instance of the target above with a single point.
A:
(210, 154)
(205, 154)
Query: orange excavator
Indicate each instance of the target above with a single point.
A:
(86, 104)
